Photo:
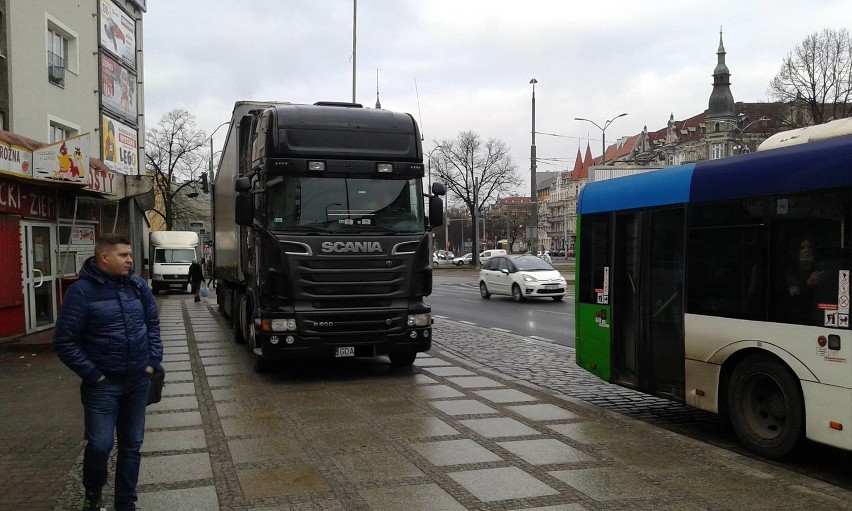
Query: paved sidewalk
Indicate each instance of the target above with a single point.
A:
(447, 434)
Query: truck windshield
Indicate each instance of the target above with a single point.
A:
(174, 255)
(346, 205)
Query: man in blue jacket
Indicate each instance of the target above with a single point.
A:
(108, 332)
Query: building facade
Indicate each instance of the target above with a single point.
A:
(71, 126)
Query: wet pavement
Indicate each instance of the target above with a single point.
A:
(449, 433)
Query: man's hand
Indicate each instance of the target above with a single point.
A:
(102, 378)
(149, 370)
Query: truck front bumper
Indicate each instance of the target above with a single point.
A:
(293, 346)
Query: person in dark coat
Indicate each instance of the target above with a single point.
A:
(196, 277)
(108, 333)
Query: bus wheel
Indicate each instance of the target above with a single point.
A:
(483, 291)
(517, 295)
(402, 358)
(765, 406)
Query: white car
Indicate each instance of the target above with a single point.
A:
(463, 260)
(521, 277)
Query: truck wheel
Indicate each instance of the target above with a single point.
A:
(258, 363)
(483, 291)
(765, 406)
(402, 359)
(236, 317)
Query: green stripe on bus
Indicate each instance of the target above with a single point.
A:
(593, 342)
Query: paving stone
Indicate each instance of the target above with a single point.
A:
(611, 483)
(375, 466)
(454, 452)
(422, 497)
(174, 440)
(419, 427)
(172, 420)
(277, 482)
(505, 395)
(175, 468)
(499, 427)
(462, 407)
(542, 412)
(449, 371)
(474, 382)
(545, 451)
(188, 499)
(436, 392)
(509, 483)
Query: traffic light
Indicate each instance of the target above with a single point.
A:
(205, 187)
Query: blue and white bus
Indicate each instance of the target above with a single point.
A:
(725, 285)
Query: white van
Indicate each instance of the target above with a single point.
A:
(485, 255)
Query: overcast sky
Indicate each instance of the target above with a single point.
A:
(460, 65)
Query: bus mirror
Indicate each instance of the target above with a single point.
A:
(243, 184)
(244, 209)
(438, 189)
(436, 209)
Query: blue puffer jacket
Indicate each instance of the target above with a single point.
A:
(108, 325)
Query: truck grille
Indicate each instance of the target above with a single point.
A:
(352, 324)
(349, 281)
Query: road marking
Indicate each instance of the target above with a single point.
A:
(466, 300)
(468, 323)
(553, 312)
(501, 330)
(537, 338)
(440, 317)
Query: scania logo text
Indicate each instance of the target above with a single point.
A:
(351, 246)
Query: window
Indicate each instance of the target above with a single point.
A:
(57, 57)
(59, 132)
(717, 151)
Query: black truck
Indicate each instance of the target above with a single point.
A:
(322, 243)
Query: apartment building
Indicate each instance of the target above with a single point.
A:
(71, 155)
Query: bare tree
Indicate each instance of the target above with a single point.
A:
(512, 220)
(175, 157)
(476, 172)
(818, 72)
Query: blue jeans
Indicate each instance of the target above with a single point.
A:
(114, 407)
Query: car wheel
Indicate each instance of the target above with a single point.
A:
(765, 406)
(483, 291)
(517, 295)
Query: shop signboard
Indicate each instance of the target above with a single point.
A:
(28, 201)
(66, 160)
(15, 160)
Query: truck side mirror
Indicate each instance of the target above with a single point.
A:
(438, 189)
(243, 208)
(436, 210)
(243, 184)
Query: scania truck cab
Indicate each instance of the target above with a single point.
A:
(322, 240)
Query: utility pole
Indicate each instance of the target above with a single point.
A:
(533, 186)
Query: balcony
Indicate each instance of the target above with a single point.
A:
(55, 69)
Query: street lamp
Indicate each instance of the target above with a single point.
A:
(210, 174)
(738, 126)
(533, 186)
(603, 132)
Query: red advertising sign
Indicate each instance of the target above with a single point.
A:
(26, 200)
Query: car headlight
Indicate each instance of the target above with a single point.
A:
(529, 278)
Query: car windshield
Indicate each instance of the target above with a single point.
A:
(346, 205)
(531, 263)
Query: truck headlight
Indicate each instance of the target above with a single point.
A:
(157, 276)
(419, 319)
(279, 325)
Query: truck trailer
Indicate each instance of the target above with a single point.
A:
(322, 244)
(169, 254)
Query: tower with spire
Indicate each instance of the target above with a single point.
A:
(721, 100)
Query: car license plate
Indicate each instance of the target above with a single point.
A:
(551, 286)
(344, 351)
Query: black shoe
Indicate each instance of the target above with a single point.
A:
(93, 502)
(197, 299)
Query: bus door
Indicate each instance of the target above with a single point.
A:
(648, 352)
(626, 282)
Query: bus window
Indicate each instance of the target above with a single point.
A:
(595, 241)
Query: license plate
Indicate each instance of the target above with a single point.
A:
(344, 351)
(551, 286)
